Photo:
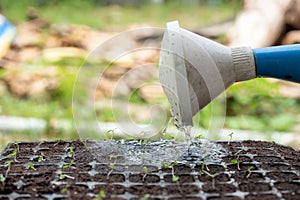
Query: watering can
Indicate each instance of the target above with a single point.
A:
(194, 70)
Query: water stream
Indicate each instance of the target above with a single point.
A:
(157, 152)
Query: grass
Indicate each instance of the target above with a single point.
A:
(118, 18)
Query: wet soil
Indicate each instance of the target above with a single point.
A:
(74, 170)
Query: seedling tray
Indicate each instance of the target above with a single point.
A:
(160, 169)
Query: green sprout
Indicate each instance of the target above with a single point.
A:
(112, 167)
(41, 157)
(70, 152)
(2, 179)
(109, 134)
(17, 145)
(248, 171)
(114, 156)
(238, 152)
(12, 154)
(175, 178)
(199, 137)
(31, 166)
(8, 163)
(65, 189)
(171, 166)
(69, 165)
(145, 169)
(212, 176)
(236, 162)
(202, 168)
(145, 197)
(61, 177)
(230, 137)
(166, 166)
(100, 196)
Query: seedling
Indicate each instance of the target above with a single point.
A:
(70, 152)
(171, 166)
(212, 176)
(69, 165)
(230, 137)
(100, 196)
(65, 189)
(202, 168)
(238, 152)
(199, 137)
(2, 179)
(31, 166)
(114, 156)
(112, 167)
(248, 171)
(110, 134)
(41, 157)
(17, 145)
(203, 165)
(63, 176)
(145, 197)
(236, 162)
(8, 165)
(175, 178)
(145, 169)
(12, 154)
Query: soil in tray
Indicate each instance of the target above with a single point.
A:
(69, 170)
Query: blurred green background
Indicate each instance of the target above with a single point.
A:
(255, 105)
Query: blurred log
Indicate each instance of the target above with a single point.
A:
(292, 16)
(260, 24)
(292, 37)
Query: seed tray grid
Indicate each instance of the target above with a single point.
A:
(274, 175)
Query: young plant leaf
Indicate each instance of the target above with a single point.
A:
(249, 169)
(61, 177)
(64, 190)
(175, 178)
(112, 165)
(41, 157)
(145, 169)
(31, 166)
(2, 178)
(101, 194)
(145, 197)
(234, 161)
(70, 152)
(12, 154)
(8, 163)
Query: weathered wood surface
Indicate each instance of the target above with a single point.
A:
(261, 23)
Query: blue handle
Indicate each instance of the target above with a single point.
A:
(282, 62)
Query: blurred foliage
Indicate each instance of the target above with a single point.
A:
(255, 105)
(252, 105)
(110, 17)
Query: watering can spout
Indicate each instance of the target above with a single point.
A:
(194, 70)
